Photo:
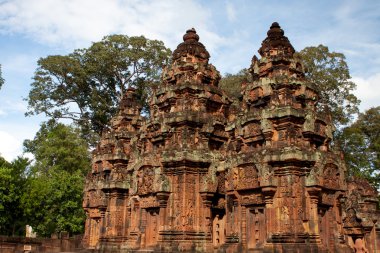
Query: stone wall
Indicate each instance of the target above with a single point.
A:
(40, 245)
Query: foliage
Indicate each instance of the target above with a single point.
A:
(361, 145)
(1, 78)
(58, 147)
(329, 72)
(231, 83)
(12, 185)
(86, 85)
(52, 200)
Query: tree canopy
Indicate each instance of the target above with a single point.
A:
(52, 200)
(12, 185)
(361, 146)
(231, 83)
(86, 85)
(330, 73)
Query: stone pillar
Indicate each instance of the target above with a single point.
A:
(143, 227)
(87, 229)
(102, 223)
(125, 215)
(162, 198)
(270, 219)
(313, 214)
(112, 212)
(377, 238)
(207, 201)
(244, 226)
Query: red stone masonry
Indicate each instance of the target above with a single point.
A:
(203, 175)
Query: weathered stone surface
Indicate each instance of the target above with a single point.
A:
(202, 175)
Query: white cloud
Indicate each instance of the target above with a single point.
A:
(368, 91)
(231, 12)
(13, 134)
(8, 107)
(74, 24)
(10, 146)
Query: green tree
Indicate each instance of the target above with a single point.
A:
(361, 146)
(231, 83)
(86, 85)
(53, 197)
(330, 73)
(12, 185)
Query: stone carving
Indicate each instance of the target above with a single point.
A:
(247, 177)
(331, 176)
(208, 173)
(149, 202)
(145, 181)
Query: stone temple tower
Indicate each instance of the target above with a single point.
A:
(208, 173)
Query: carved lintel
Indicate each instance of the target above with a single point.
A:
(207, 198)
(268, 193)
(314, 192)
(269, 190)
(162, 198)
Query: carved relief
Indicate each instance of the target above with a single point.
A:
(252, 199)
(118, 174)
(328, 198)
(149, 202)
(95, 198)
(247, 177)
(351, 220)
(251, 129)
(145, 180)
(221, 182)
(331, 176)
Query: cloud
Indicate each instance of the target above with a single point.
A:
(10, 146)
(231, 12)
(368, 91)
(74, 24)
(13, 134)
(10, 106)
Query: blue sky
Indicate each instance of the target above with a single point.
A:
(232, 31)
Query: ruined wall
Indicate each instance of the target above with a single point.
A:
(9, 244)
(204, 174)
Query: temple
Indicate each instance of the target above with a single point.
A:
(207, 173)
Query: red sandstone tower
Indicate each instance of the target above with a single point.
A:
(205, 174)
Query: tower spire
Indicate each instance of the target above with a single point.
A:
(276, 43)
(191, 46)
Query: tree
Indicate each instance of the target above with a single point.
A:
(231, 83)
(12, 185)
(1, 78)
(329, 72)
(52, 200)
(57, 146)
(86, 85)
(361, 146)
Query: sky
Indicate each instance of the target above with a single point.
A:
(232, 32)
